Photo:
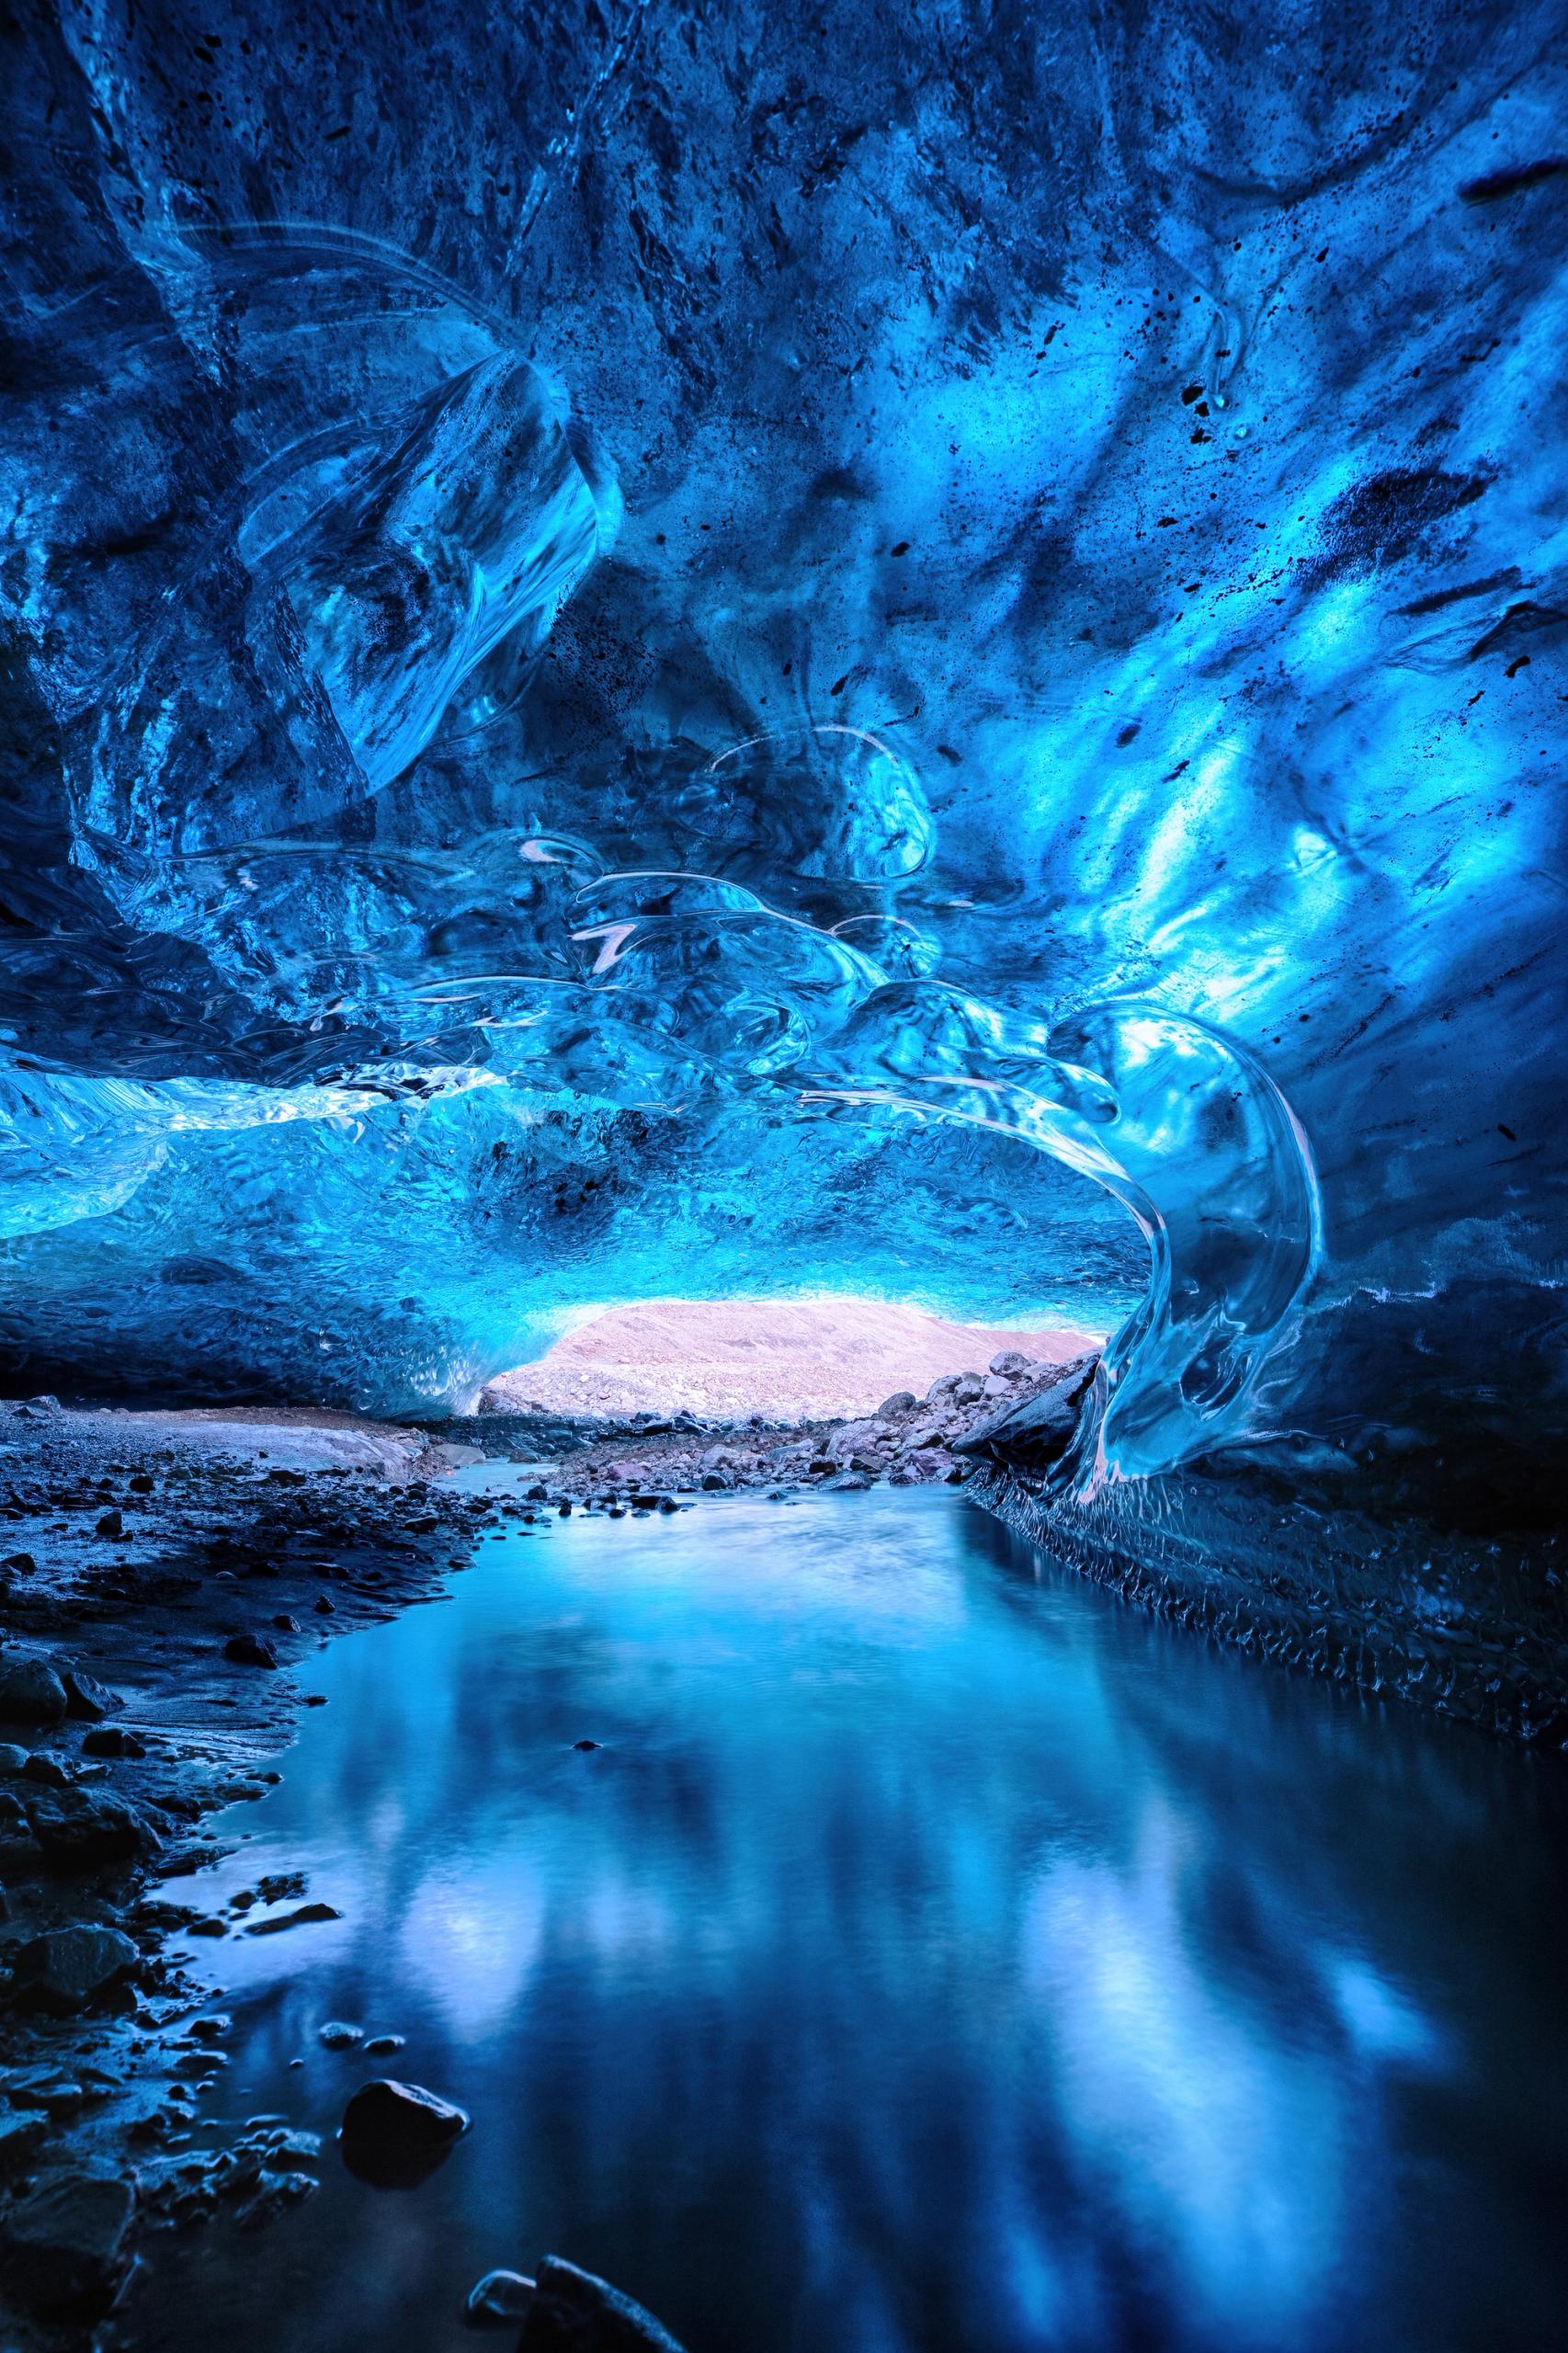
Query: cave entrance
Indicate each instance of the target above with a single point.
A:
(787, 1358)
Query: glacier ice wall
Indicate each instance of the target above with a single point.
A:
(642, 645)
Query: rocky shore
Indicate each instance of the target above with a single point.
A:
(163, 1583)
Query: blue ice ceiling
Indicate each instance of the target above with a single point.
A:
(916, 649)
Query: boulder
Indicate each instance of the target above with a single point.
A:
(112, 1740)
(394, 2134)
(250, 1649)
(62, 2248)
(1010, 1363)
(87, 1699)
(31, 1693)
(22, 2131)
(68, 1970)
(1035, 1430)
(77, 1827)
(572, 2311)
(903, 1401)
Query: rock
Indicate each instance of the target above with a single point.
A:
(250, 1649)
(299, 1917)
(394, 2134)
(498, 2300)
(77, 1827)
(284, 1624)
(12, 1759)
(967, 1388)
(64, 2246)
(1036, 1429)
(274, 2194)
(12, 1820)
(21, 2130)
(49, 1770)
(995, 1385)
(586, 1745)
(31, 1693)
(338, 2035)
(572, 2312)
(20, 1565)
(382, 2046)
(112, 1740)
(1010, 1363)
(67, 1969)
(110, 1524)
(903, 1401)
(87, 1699)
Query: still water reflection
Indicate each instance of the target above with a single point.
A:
(937, 1956)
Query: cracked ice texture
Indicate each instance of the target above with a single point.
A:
(1092, 539)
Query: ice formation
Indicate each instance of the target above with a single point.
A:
(652, 654)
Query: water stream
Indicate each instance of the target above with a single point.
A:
(936, 1956)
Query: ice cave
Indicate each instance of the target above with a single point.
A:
(782, 901)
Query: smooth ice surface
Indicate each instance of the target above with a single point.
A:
(639, 648)
(936, 1957)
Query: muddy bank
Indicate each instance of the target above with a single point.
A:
(165, 1579)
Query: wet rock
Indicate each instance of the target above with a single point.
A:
(284, 1624)
(77, 1827)
(19, 1564)
(275, 2194)
(12, 1759)
(22, 2130)
(250, 1649)
(394, 2134)
(62, 2248)
(572, 2311)
(68, 1970)
(498, 2300)
(301, 1917)
(87, 1699)
(31, 1693)
(42, 1767)
(110, 1523)
(382, 2046)
(338, 2035)
(112, 1740)
(1035, 1430)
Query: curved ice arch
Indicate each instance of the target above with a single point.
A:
(1184, 1126)
(1180, 1121)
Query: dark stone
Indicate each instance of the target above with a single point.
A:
(22, 2130)
(903, 1401)
(586, 1745)
(250, 1649)
(572, 2311)
(395, 2134)
(65, 2251)
(284, 1624)
(112, 1740)
(382, 2046)
(110, 1524)
(30, 1693)
(42, 1767)
(87, 1699)
(67, 1969)
(498, 2300)
(338, 2035)
(1035, 1430)
(77, 1827)
(301, 1917)
(21, 1564)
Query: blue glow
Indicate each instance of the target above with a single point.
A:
(597, 614)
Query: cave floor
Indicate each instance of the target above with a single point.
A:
(931, 1953)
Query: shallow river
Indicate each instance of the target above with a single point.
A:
(936, 1957)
